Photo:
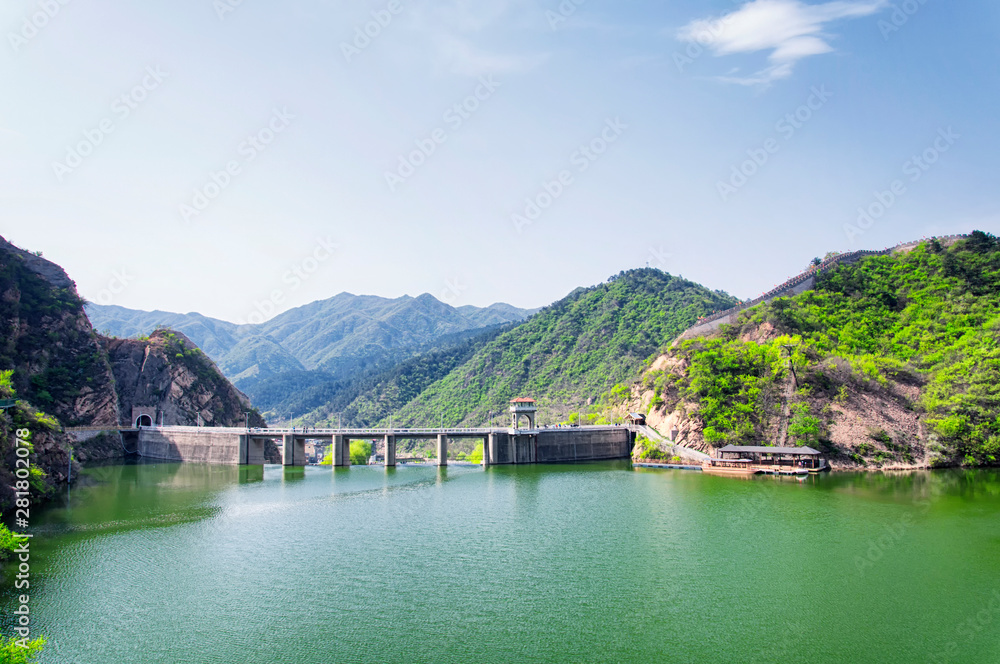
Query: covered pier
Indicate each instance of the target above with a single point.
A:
(772, 459)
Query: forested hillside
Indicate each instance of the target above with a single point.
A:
(571, 352)
(369, 400)
(304, 357)
(894, 360)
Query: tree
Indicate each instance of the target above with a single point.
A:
(804, 428)
(361, 450)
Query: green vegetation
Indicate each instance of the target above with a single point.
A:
(31, 423)
(52, 355)
(8, 542)
(371, 398)
(930, 317)
(646, 449)
(734, 384)
(573, 351)
(361, 451)
(475, 456)
(11, 652)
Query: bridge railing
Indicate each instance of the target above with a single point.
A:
(398, 432)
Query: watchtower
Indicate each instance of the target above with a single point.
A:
(522, 406)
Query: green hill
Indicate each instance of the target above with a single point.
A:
(896, 361)
(571, 352)
(368, 400)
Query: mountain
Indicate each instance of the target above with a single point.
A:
(892, 361)
(46, 340)
(258, 356)
(370, 399)
(567, 355)
(313, 350)
(167, 373)
(62, 373)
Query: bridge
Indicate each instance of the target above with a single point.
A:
(242, 446)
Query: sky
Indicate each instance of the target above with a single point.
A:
(241, 157)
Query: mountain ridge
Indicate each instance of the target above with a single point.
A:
(569, 353)
(317, 346)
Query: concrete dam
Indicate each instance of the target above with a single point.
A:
(245, 447)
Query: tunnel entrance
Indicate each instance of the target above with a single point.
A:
(143, 421)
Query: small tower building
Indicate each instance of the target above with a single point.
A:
(522, 407)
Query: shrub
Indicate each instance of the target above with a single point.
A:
(13, 653)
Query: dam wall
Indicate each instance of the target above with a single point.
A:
(560, 445)
(238, 446)
(194, 444)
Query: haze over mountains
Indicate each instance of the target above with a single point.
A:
(294, 361)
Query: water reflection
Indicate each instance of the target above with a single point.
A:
(251, 474)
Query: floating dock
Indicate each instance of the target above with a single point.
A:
(674, 466)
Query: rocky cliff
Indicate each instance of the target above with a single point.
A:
(66, 375)
(168, 374)
(47, 340)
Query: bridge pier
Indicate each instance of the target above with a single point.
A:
(341, 451)
(251, 451)
(491, 450)
(390, 450)
(442, 449)
(293, 450)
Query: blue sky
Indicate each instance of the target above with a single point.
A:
(240, 158)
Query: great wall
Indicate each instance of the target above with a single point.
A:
(803, 282)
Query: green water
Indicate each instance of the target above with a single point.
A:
(580, 563)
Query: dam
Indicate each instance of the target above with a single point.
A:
(245, 447)
(501, 446)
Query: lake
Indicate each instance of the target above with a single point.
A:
(594, 562)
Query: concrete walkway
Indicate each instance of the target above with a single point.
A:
(675, 450)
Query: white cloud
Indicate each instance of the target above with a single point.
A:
(790, 29)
